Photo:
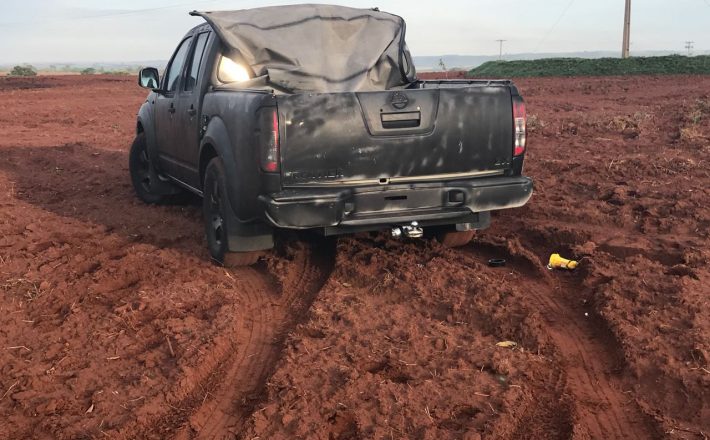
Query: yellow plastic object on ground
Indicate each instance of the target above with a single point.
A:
(507, 344)
(557, 262)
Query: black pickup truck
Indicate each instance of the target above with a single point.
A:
(311, 117)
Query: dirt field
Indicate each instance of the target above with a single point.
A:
(113, 324)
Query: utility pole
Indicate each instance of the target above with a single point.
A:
(500, 54)
(443, 67)
(689, 47)
(627, 31)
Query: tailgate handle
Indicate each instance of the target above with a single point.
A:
(401, 120)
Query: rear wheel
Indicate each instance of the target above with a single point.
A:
(454, 239)
(214, 205)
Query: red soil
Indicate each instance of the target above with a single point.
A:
(114, 323)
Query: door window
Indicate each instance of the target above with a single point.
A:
(172, 76)
(197, 54)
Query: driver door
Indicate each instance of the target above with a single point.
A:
(166, 122)
(189, 107)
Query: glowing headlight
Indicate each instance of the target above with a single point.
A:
(229, 71)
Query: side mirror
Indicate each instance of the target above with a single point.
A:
(149, 78)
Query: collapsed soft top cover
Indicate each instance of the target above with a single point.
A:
(320, 48)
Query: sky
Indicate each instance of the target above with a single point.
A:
(137, 30)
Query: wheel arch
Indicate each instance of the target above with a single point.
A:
(216, 143)
(245, 235)
(207, 153)
(145, 125)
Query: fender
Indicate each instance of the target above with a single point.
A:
(145, 120)
(217, 136)
(243, 236)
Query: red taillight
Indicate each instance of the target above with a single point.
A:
(270, 140)
(519, 126)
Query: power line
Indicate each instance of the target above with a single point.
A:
(559, 19)
(110, 14)
(140, 11)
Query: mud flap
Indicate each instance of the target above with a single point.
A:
(259, 241)
(247, 237)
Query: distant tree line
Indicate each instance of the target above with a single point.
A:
(29, 70)
(101, 71)
(25, 70)
(93, 70)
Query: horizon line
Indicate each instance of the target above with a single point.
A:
(671, 51)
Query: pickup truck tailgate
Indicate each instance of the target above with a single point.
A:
(395, 136)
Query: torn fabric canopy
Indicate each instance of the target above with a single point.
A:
(319, 48)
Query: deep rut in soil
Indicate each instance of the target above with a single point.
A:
(589, 356)
(259, 340)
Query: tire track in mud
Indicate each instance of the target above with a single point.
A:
(602, 408)
(213, 398)
(267, 320)
(588, 354)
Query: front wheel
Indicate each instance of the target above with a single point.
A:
(146, 182)
(215, 205)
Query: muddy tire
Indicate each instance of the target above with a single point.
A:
(148, 186)
(215, 205)
(454, 239)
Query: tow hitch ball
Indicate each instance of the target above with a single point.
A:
(410, 231)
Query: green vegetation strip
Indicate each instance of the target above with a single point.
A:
(667, 65)
(29, 70)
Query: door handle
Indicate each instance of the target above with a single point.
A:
(171, 109)
(401, 120)
(192, 111)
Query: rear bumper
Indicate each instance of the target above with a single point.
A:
(381, 206)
